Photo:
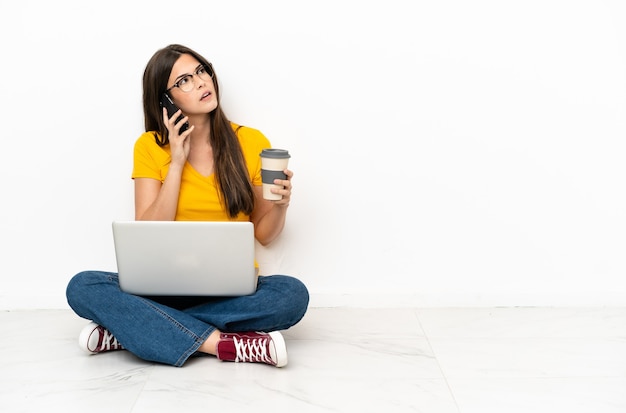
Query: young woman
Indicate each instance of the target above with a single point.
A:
(208, 172)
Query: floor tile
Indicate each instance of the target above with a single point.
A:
(523, 322)
(530, 357)
(448, 360)
(571, 395)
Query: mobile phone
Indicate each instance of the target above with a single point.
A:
(168, 103)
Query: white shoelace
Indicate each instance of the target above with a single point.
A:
(109, 342)
(253, 350)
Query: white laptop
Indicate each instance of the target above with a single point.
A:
(185, 258)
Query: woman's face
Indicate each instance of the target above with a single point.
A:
(201, 98)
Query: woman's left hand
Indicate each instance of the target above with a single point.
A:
(286, 191)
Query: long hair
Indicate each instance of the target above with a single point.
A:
(230, 170)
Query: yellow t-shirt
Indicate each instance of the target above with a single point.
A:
(199, 196)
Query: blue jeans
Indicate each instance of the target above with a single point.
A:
(170, 329)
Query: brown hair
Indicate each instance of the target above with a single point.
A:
(231, 174)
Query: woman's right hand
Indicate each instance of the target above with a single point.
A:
(179, 142)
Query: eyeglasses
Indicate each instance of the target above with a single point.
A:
(186, 83)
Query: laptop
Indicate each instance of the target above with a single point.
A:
(185, 258)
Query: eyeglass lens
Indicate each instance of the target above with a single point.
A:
(186, 84)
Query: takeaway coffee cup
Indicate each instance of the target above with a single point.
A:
(273, 163)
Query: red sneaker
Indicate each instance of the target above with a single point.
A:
(253, 347)
(96, 339)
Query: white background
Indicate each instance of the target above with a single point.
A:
(445, 152)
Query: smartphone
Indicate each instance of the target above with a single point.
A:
(168, 103)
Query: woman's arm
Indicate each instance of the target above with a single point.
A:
(155, 201)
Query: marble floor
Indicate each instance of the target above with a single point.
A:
(448, 360)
